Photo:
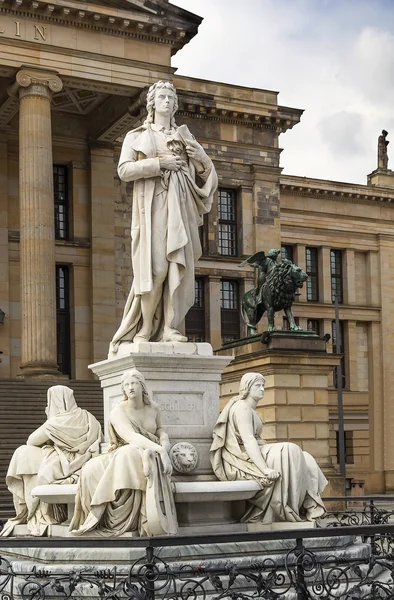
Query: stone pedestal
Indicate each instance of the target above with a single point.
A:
(295, 405)
(37, 236)
(183, 379)
(381, 177)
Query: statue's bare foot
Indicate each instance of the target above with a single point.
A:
(173, 335)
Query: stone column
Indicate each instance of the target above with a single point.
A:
(215, 327)
(37, 236)
(266, 207)
(325, 277)
(349, 277)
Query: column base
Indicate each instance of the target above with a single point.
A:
(41, 370)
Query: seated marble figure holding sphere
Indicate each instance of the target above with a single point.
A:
(54, 453)
(125, 489)
(291, 481)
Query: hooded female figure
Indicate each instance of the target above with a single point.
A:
(54, 453)
(290, 479)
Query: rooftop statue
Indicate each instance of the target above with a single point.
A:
(277, 285)
(54, 453)
(383, 159)
(174, 183)
(291, 481)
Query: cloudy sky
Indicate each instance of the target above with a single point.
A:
(333, 58)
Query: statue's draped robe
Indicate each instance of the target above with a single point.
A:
(295, 496)
(74, 437)
(187, 195)
(111, 490)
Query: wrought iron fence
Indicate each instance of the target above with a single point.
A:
(299, 568)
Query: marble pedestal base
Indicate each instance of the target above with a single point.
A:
(183, 378)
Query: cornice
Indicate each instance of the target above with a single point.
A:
(99, 18)
(199, 110)
(321, 193)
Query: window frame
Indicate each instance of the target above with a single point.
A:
(287, 252)
(61, 205)
(336, 278)
(312, 283)
(229, 223)
(230, 316)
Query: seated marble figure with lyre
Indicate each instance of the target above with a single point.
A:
(128, 489)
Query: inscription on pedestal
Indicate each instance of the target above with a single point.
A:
(180, 408)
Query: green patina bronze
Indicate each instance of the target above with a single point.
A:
(277, 285)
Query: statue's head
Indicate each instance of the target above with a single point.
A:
(135, 376)
(60, 399)
(162, 97)
(247, 381)
(384, 132)
(273, 253)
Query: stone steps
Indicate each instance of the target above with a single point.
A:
(22, 405)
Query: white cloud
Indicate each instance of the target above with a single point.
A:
(334, 58)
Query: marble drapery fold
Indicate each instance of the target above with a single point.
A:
(111, 490)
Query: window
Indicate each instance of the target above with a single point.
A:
(227, 222)
(229, 311)
(60, 192)
(287, 252)
(313, 325)
(336, 275)
(195, 318)
(341, 350)
(349, 447)
(312, 286)
(63, 319)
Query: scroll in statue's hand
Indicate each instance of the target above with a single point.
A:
(195, 151)
(170, 163)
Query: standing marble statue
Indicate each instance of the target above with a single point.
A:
(54, 453)
(174, 182)
(128, 489)
(290, 479)
(383, 159)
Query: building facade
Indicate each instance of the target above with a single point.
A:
(73, 80)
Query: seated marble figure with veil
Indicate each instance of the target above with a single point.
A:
(54, 454)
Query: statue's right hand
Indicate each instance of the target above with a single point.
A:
(166, 462)
(170, 163)
(271, 474)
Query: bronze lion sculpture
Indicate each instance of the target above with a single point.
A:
(276, 290)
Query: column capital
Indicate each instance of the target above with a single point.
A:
(35, 82)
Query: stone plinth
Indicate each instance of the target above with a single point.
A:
(381, 177)
(182, 378)
(295, 407)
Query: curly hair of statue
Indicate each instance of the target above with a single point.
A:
(150, 101)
